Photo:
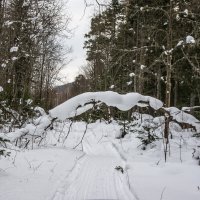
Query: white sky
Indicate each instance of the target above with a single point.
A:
(80, 23)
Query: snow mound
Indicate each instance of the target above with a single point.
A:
(182, 117)
(83, 102)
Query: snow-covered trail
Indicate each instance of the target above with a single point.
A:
(95, 177)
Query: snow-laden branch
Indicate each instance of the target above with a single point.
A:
(83, 102)
(31, 130)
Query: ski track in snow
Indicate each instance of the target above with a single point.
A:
(95, 177)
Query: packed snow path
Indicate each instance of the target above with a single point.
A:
(95, 177)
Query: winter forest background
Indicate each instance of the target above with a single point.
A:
(132, 46)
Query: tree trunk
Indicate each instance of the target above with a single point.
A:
(158, 93)
(175, 93)
(169, 60)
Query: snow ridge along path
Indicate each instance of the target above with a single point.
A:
(95, 177)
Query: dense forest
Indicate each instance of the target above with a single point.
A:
(150, 47)
(133, 46)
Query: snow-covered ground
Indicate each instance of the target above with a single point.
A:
(74, 160)
(35, 174)
(102, 166)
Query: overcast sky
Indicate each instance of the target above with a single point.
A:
(80, 23)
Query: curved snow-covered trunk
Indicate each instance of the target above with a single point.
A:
(83, 102)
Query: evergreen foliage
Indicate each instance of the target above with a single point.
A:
(150, 47)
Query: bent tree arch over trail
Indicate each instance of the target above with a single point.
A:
(83, 102)
(80, 104)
